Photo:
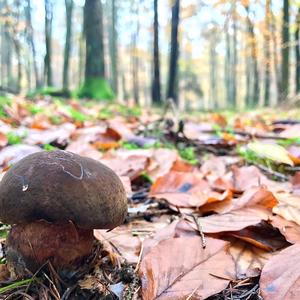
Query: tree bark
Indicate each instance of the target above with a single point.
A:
(48, 41)
(31, 43)
(93, 29)
(285, 70)
(69, 12)
(234, 57)
(252, 97)
(267, 52)
(135, 59)
(297, 50)
(172, 91)
(156, 93)
(113, 40)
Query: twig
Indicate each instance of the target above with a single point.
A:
(199, 227)
(139, 259)
(272, 172)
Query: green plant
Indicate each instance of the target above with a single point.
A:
(96, 88)
(189, 155)
(49, 147)
(77, 115)
(14, 139)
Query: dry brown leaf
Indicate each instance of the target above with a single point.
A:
(161, 162)
(249, 260)
(179, 268)
(280, 277)
(132, 167)
(182, 189)
(122, 241)
(289, 229)
(178, 182)
(12, 154)
(247, 177)
(288, 207)
(256, 196)
(234, 220)
(84, 149)
(263, 236)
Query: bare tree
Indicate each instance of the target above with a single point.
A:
(172, 90)
(285, 51)
(156, 94)
(30, 39)
(69, 12)
(48, 40)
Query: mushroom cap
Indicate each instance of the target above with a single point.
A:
(62, 186)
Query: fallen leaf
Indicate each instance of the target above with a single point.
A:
(288, 207)
(12, 154)
(263, 236)
(280, 277)
(289, 229)
(171, 270)
(3, 140)
(234, 220)
(247, 177)
(273, 152)
(249, 260)
(132, 167)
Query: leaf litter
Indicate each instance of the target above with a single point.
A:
(213, 210)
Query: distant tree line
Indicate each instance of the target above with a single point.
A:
(100, 71)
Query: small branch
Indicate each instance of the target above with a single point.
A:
(199, 227)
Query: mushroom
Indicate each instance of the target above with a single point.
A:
(54, 200)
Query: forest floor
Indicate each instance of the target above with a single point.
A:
(214, 200)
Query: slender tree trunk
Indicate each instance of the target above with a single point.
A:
(227, 70)
(172, 91)
(213, 68)
(156, 94)
(69, 12)
(30, 40)
(135, 60)
(267, 52)
(297, 50)
(48, 40)
(285, 70)
(275, 54)
(93, 25)
(252, 73)
(113, 48)
(234, 57)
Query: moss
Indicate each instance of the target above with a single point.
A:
(48, 91)
(96, 88)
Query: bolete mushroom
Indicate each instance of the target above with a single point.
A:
(54, 200)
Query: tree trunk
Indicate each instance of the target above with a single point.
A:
(113, 48)
(156, 94)
(213, 68)
(227, 72)
(267, 53)
(17, 44)
(275, 55)
(297, 50)
(285, 70)
(172, 91)
(135, 60)
(232, 99)
(69, 11)
(93, 28)
(48, 40)
(252, 72)
(31, 43)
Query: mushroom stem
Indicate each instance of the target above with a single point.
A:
(31, 245)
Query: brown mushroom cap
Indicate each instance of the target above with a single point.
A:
(61, 186)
